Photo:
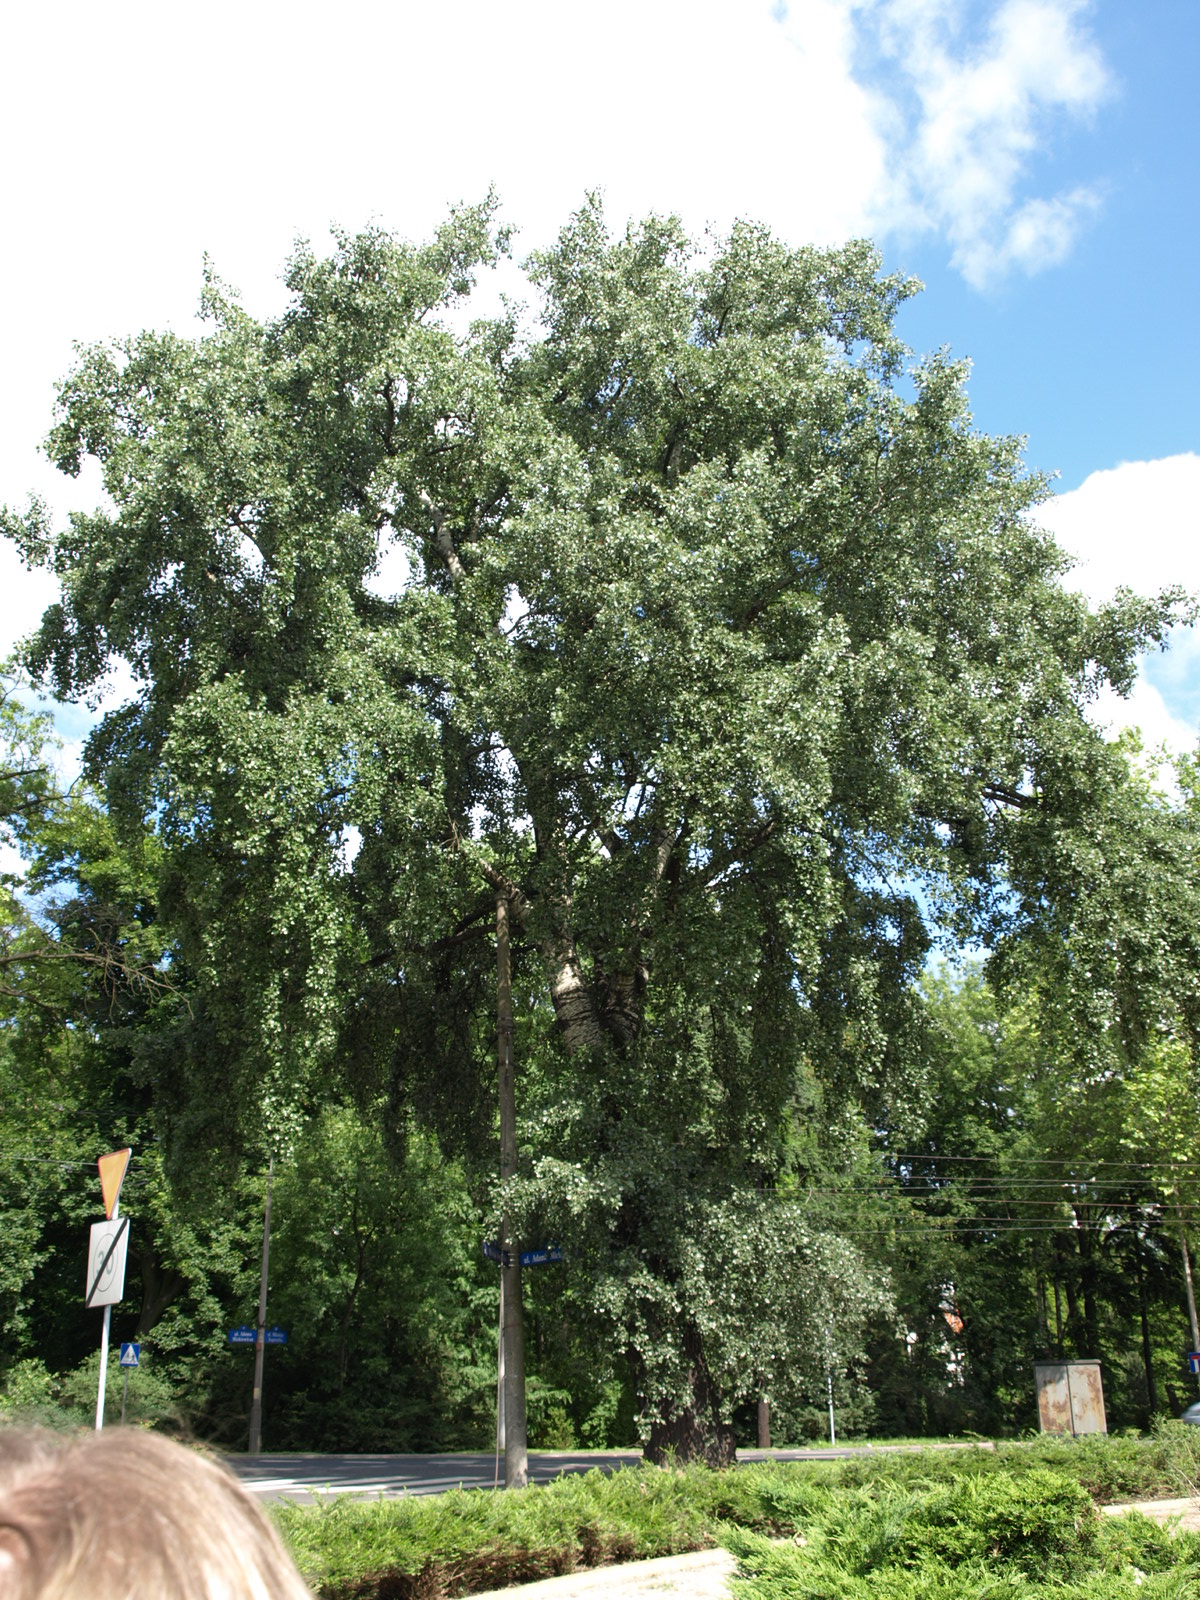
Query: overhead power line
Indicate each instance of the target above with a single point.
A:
(1005, 1225)
(990, 1186)
(1036, 1160)
(47, 1161)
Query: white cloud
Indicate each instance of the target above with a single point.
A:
(979, 108)
(267, 122)
(1039, 234)
(1146, 710)
(823, 118)
(349, 844)
(1137, 526)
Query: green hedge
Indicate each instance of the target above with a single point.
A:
(1035, 1534)
(928, 1507)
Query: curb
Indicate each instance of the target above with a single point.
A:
(699, 1575)
(1185, 1513)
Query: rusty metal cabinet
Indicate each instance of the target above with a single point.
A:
(1070, 1397)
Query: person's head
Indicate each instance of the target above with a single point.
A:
(23, 1450)
(127, 1515)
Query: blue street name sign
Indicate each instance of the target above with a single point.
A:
(541, 1258)
(275, 1336)
(242, 1335)
(529, 1258)
(1193, 1360)
(130, 1354)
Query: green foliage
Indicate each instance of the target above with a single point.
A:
(1031, 1207)
(728, 655)
(898, 1521)
(458, 1542)
(1035, 1534)
(1183, 1448)
(1110, 1468)
(34, 1397)
(376, 1272)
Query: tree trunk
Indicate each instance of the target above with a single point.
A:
(695, 1431)
(516, 1455)
(764, 1423)
(1087, 1284)
(1144, 1313)
(574, 1007)
(159, 1291)
(1188, 1283)
(1058, 1322)
(1075, 1328)
(1039, 1290)
(352, 1299)
(255, 1445)
(570, 993)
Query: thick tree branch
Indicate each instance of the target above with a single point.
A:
(1002, 795)
(730, 858)
(442, 540)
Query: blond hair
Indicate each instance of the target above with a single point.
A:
(127, 1515)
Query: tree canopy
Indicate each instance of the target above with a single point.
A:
(729, 655)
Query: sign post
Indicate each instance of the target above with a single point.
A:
(106, 1260)
(1193, 1361)
(129, 1359)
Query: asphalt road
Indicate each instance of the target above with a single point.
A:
(306, 1477)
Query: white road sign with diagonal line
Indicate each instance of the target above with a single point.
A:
(106, 1263)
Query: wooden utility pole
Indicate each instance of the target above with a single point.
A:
(260, 1333)
(512, 1338)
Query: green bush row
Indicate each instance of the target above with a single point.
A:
(1036, 1534)
(910, 1510)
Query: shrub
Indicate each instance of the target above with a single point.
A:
(925, 1526)
(1035, 1534)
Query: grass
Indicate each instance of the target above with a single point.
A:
(900, 1527)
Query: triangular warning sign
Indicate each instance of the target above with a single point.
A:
(112, 1174)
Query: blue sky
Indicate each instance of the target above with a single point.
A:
(1033, 161)
(1096, 359)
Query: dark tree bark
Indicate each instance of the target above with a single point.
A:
(161, 1287)
(764, 1423)
(361, 1243)
(1087, 1284)
(1075, 1326)
(695, 1430)
(1039, 1289)
(1144, 1314)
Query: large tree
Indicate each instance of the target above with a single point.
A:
(722, 630)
